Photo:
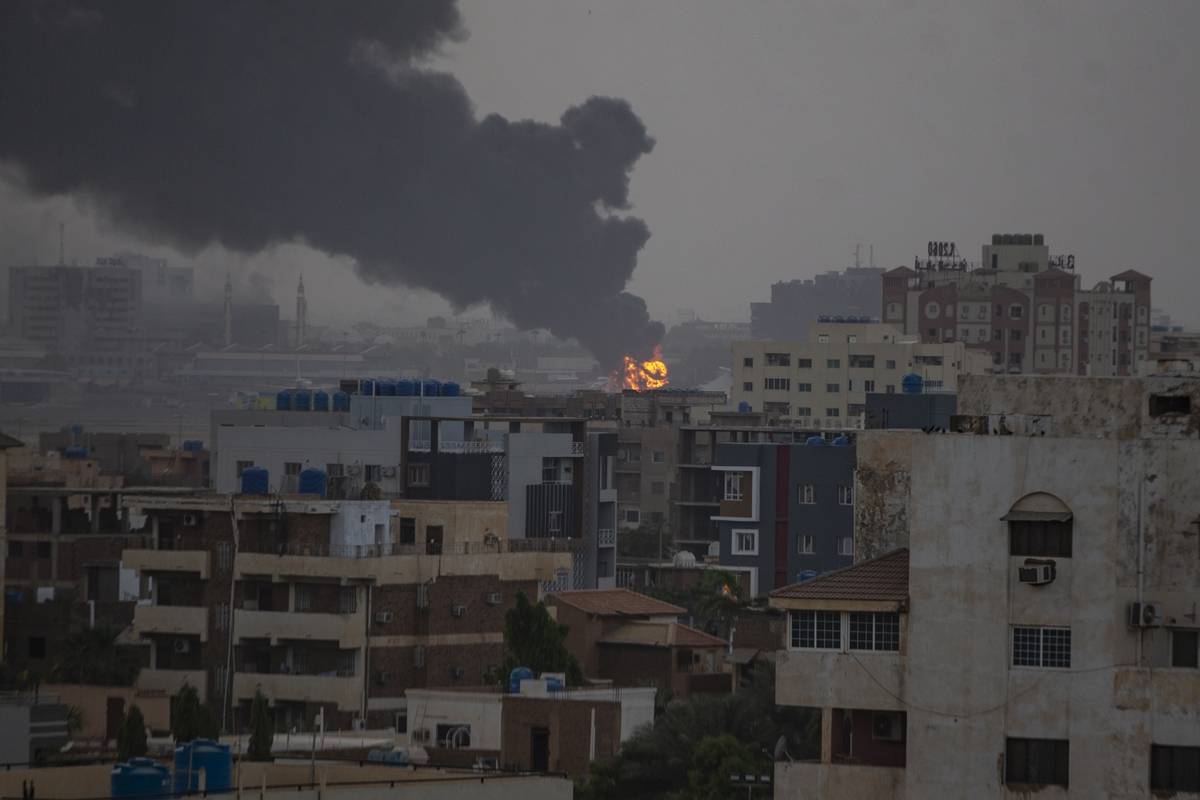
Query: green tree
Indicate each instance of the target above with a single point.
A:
(533, 639)
(92, 657)
(714, 759)
(75, 720)
(190, 719)
(131, 739)
(262, 729)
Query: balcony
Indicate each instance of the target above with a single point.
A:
(171, 620)
(170, 681)
(196, 561)
(814, 779)
(345, 629)
(345, 692)
(817, 678)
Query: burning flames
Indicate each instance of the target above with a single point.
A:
(644, 375)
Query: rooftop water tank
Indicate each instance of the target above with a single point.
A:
(341, 401)
(75, 451)
(192, 446)
(516, 676)
(140, 777)
(554, 683)
(320, 400)
(450, 389)
(203, 764)
(815, 441)
(302, 400)
(312, 481)
(283, 401)
(405, 387)
(386, 388)
(366, 387)
(912, 383)
(256, 480)
(841, 440)
(684, 558)
(430, 387)
(806, 575)
(743, 407)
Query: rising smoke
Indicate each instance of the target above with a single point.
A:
(251, 123)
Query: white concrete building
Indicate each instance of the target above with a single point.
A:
(824, 382)
(1038, 629)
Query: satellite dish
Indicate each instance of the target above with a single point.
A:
(781, 751)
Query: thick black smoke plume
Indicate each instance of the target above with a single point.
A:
(250, 123)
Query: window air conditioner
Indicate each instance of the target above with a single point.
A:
(1145, 615)
(191, 520)
(1036, 574)
(383, 617)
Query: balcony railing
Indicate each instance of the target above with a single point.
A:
(178, 620)
(607, 537)
(536, 545)
(346, 629)
(475, 446)
(345, 692)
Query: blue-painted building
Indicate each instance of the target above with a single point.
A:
(786, 509)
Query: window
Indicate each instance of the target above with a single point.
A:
(347, 600)
(303, 597)
(1040, 538)
(744, 543)
(418, 474)
(372, 473)
(822, 338)
(779, 359)
(657, 456)
(890, 388)
(222, 617)
(549, 470)
(874, 630)
(555, 521)
(833, 412)
(43, 550)
(1041, 647)
(747, 362)
(633, 515)
(932, 310)
(845, 494)
(777, 384)
(1185, 649)
(1174, 768)
(291, 468)
(806, 494)
(748, 386)
(891, 363)
(658, 488)
(777, 409)
(224, 556)
(803, 411)
(806, 544)
(408, 530)
(15, 549)
(927, 361)
(833, 388)
(1037, 761)
(1015, 311)
(242, 466)
(37, 646)
(455, 735)
(733, 486)
(833, 363)
(803, 387)
(862, 362)
(868, 386)
(1163, 404)
(804, 363)
(817, 630)
(669, 415)
(846, 546)
(856, 409)
(851, 338)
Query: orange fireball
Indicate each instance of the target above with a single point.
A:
(644, 375)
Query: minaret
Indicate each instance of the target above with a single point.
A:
(301, 313)
(228, 311)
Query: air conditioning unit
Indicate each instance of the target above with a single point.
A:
(383, 617)
(1145, 615)
(191, 520)
(1036, 574)
(457, 673)
(457, 611)
(494, 598)
(419, 657)
(182, 646)
(887, 727)
(389, 472)
(383, 678)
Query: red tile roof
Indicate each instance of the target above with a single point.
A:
(661, 634)
(617, 603)
(1130, 275)
(883, 578)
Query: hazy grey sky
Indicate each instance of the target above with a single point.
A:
(788, 131)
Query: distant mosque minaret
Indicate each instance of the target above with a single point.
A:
(301, 313)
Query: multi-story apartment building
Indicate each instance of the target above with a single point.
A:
(1026, 620)
(324, 604)
(823, 383)
(795, 305)
(1026, 310)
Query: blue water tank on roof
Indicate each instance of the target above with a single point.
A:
(341, 401)
(203, 757)
(912, 383)
(302, 400)
(193, 446)
(256, 480)
(744, 407)
(842, 440)
(320, 400)
(75, 451)
(140, 778)
(405, 387)
(430, 387)
(283, 401)
(312, 481)
(815, 441)
(366, 386)
(387, 388)
(555, 684)
(450, 389)
(516, 676)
